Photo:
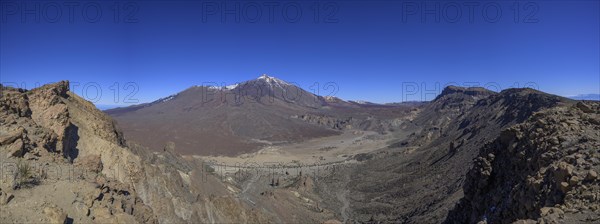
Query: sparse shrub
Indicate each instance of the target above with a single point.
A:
(24, 176)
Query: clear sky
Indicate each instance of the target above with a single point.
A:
(378, 51)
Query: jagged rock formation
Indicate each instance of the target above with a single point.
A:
(420, 178)
(70, 162)
(330, 122)
(542, 171)
(49, 130)
(370, 121)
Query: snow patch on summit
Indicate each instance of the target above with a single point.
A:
(231, 86)
(272, 81)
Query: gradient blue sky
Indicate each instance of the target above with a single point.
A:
(367, 48)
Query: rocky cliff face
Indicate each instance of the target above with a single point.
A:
(63, 161)
(378, 124)
(544, 170)
(420, 178)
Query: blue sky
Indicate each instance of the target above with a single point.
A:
(377, 51)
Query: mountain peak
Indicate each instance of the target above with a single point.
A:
(272, 80)
(471, 91)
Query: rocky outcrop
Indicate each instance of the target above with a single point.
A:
(14, 102)
(544, 170)
(418, 179)
(49, 110)
(363, 123)
(13, 142)
(110, 202)
(43, 119)
(110, 181)
(327, 121)
(470, 91)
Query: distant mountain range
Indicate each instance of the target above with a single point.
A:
(242, 118)
(592, 96)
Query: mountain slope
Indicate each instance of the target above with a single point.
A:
(221, 121)
(245, 117)
(418, 179)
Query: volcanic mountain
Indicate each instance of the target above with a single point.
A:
(241, 118)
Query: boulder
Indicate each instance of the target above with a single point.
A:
(564, 187)
(55, 215)
(15, 149)
(11, 137)
(563, 171)
(591, 175)
(544, 211)
(574, 180)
